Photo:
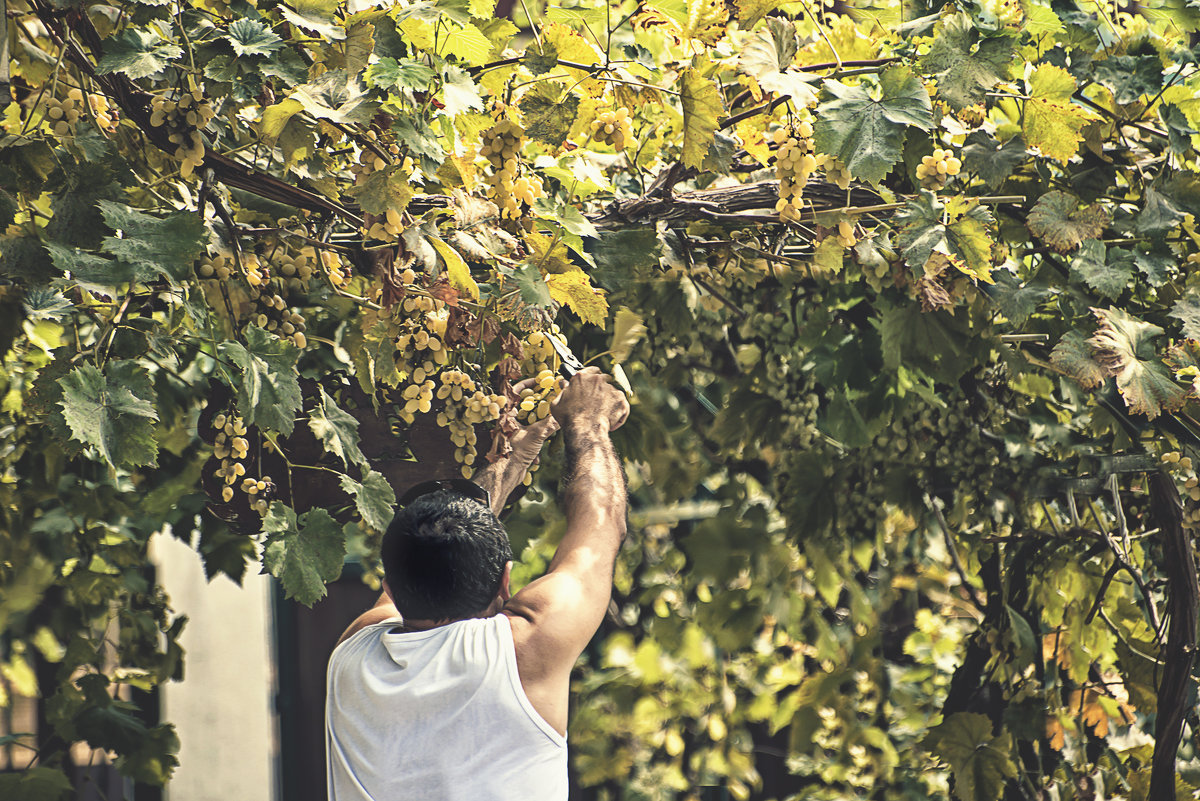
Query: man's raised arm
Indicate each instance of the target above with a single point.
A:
(555, 616)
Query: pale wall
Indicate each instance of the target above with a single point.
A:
(223, 710)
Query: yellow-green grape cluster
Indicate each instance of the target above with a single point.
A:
(63, 114)
(613, 128)
(535, 401)
(219, 266)
(502, 148)
(420, 351)
(845, 234)
(935, 170)
(258, 489)
(231, 447)
(387, 227)
(418, 399)
(297, 268)
(184, 117)
(256, 274)
(540, 355)
(369, 161)
(794, 163)
(837, 173)
(334, 269)
(465, 407)
(273, 315)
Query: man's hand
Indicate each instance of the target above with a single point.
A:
(502, 476)
(590, 397)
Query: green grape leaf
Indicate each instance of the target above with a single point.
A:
(1159, 215)
(336, 430)
(1061, 222)
(767, 58)
(382, 190)
(1129, 77)
(250, 37)
(966, 65)
(1122, 346)
(1073, 356)
(112, 411)
(336, 96)
(549, 112)
(359, 46)
(36, 784)
(539, 62)
(404, 73)
(374, 498)
(459, 93)
(1016, 301)
(957, 228)
(153, 246)
(532, 284)
(990, 160)
(929, 341)
(1092, 265)
(702, 109)
(137, 54)
(1187, 311)
(224, 552)
(865, 134)
(981, 763)
(268, 393)
(154, 760)
(317, 16)
(1051, 122)
(304, 553)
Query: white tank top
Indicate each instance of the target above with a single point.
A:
(437, 715)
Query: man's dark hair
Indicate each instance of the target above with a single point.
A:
(443, 557)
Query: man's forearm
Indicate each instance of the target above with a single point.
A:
(593, 492)
(500, 478)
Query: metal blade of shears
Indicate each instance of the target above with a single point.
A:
(570, 364)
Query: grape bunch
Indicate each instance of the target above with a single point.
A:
(535, 401)
(936, 169)
(386, 227)
(417, 398)
(183, 117)
(369, 161)
(502, 148)
(794, 163)
(257, 274)
(540, 355)
(837, 173)
(259, 490)
(272, 314)
(465, 407)
(63, 114)
(297, 268)
(613, 128)
(420, 350)
(334, 269)
(231, 447)
(219, 266)
(845, 235)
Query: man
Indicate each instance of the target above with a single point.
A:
(451, 687)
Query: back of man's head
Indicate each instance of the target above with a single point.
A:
(443, 557)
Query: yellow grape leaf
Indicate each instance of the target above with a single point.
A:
(359, 45)
(1098, 710)
(1055, 733)
(751, 11)
(575, 291)
(753, 140)
(418, 33)
(628, 330)
(549, 255)
(1051, 122)
(482, 9)
(828, 257)
(275, 117)
(701, 115)
(457, 269)
(571, 46)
